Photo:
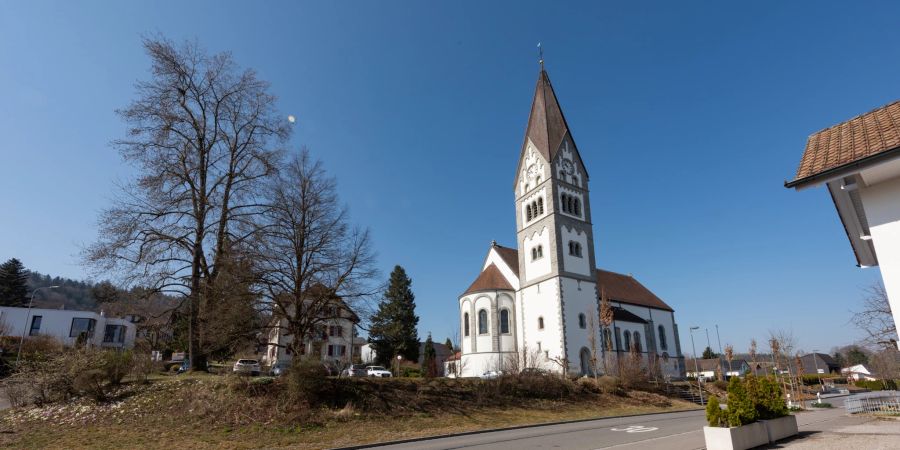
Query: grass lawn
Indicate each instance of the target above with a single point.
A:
(201, 412)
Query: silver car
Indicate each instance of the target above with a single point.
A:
(246, 367)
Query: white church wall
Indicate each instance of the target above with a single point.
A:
(579, 297)
(507, 340)
(483, 340)
(532, 158)
(541, 266)
(571, 263)
(883, 215)
(465, 307)
(495, 259)
(540, 300)
(539, 199)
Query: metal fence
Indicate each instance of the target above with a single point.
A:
(879, 402)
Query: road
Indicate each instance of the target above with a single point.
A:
(676, 431)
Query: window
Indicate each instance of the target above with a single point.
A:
(540, 323)
(577, 207)
(564, 204)
(637, 342)
(607, 339)
(662, 337)
(540, 206)
(575, 248)
(534, 253)
(537, 252)
(582, 322)
(35, 326)
(528, 213)
(540, 250)
(627, 341)
(114, 334)
(466, 324)
(330, 350)
(504, 321)
(482, 322)
(618, 339)
(82, 326)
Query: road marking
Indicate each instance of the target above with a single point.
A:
(635, 429)
(626, 444)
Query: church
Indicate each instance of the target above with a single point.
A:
(536, 306)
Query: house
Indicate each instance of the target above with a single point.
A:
(442, 353)
(858, 161)
(95, 329)
(334, 341)
(820, 363)
(536, 304)
(706, 368)
(858, 372)
(762, 368)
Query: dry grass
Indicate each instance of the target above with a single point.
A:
(212, 413)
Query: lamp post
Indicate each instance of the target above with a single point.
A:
(399, 359)
(696, 365)
(27, 318)
(816, 363)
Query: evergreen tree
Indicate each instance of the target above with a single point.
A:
(429, 362)
(393, 329)
(449, 344)
(709, 354)
(13, 283)
(856, 356)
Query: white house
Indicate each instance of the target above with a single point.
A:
(536, 302)
(859, 162)
(334, 342)
(67, 325)
(858, 372)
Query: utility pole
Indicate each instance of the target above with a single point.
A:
(708, 345)
(719, 339)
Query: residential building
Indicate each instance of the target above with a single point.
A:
(441, 351)
(534, 305)
(858, 161)
(706, 368)
(813, 363)
(858, 372)
(334, 342)
(68, 326)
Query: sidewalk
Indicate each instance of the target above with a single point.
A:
(835, 429)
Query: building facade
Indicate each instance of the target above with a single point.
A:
(68, 326)
(334, 341)
(537, 304)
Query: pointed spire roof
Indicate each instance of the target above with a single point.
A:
(547, 126)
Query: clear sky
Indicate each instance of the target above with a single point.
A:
(689, 116)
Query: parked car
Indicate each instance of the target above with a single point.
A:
(355, 370)
(246, 367)
(279, 368)
(491, 375)
(534, 372)
(185, 365)
(378, 371)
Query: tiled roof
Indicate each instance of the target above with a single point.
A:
(866, 136)
(625, 289)
(510, 257)
(489, 279)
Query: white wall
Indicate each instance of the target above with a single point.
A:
(541, 300)
(882, 206)
(580, 265)
(482, 340)
(58, 324)
(541, 266)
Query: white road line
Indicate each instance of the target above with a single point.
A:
(649, 439)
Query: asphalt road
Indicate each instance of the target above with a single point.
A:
(670, 431)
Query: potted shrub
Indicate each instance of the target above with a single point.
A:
(756, 415)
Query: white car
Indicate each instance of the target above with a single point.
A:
(491, 375)
(378, 371)
(246, 367)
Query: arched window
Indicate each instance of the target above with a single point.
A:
(540, 323)
(607, 339)
(540, 249)
(637, 342)
(482, 322)
(627, 341)
(534, 208)
(569, 204)
(662, 337)
(540, 205)
(578, 249)
(582, 321)
(504, 321)
(466, 324)
(527, 213)
(534, 253)
(577, 209)
(563, 204)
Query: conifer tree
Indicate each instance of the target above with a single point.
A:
(13, 283)
(429, 362)
(449, 344)
(393, 329)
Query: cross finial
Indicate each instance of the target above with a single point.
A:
(541, 55)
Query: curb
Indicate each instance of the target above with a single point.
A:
(491, 430)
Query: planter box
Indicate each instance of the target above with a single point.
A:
(781, 427)
(736, 438)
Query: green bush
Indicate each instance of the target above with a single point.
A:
(811, 380)
(741, 409)
(411, 372)
(714, 413)
(876, 385)
(765, 393)
(749, 400)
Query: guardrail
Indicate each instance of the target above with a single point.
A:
(883, 402)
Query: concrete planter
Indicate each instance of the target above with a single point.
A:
(736, 438)
(781, 427)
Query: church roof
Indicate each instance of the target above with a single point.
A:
(490, 279)
(510, 257)
(547, 126)
(626, 289)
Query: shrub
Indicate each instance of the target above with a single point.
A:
(411, 372)
(306, 382)
(821, 405)
(609, 384)
(766, 395)
(749, 400)
(741, 409)
(714, 414)
(116, 364)
(720, 385)
(877, 385)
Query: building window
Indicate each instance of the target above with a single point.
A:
(540, 206)
(662, 337)
(114, 334)
(482, 322)
(582, 321)
(537, 252)
(607, 339)
(528, 213)
(540, 323)
(466, 324)
(637, 342)
(563, 201)
(82, 326)
(627, 341)
(504, 321)
(575, 248)
(330, 350)
(35, 326)
(577, 207)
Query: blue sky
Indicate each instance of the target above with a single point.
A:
(689, 116)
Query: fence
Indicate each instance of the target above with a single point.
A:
(883, 402)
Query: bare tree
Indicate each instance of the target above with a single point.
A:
(875, 317)
(312, 265)
(202, 136)
(729, 355)
(592, 340)
(753, 351)
(606, 320)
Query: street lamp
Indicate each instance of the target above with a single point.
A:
(816, 363)
(696, 365)
(27, 317)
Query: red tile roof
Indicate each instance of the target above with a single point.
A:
(625, 289)
(870, 135)
(510, 256)
(490, 279)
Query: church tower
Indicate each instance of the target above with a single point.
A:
(558, 281)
